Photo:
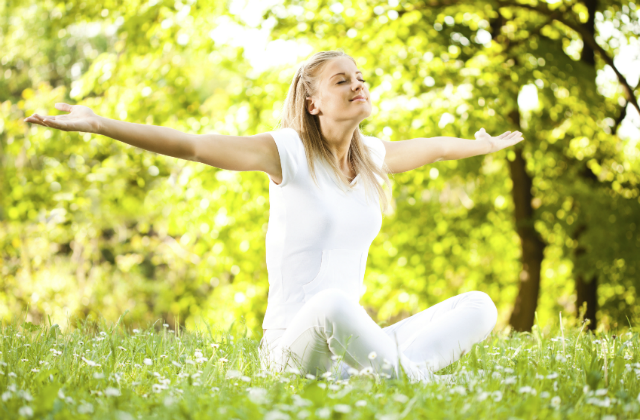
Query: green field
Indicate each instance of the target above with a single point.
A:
(109, 371)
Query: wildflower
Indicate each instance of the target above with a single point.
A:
(372, 355)
(6, 395)
(148, 362)
(137, 365)
(214, 345)
(158, 387)
(90, 363)
(459, 389)
(544, 394)
(601, 392)
(361, 403)
(555, 402)
(310, 376)
(197, 354)
(165, 325)
(162, 356)
(482, 396)
(335, 357)
(222, 360)
(327, 374)
(86, 408)
(294, 370)
(98, 375)
(176, 364)
(11, 374)
(553, 375)
(25, 411)
(112, 392)
(366, 371)
(102, 333)
(342, 408)
(35, 370)
(136, 331)
(245, 378)
(122, 348)
(497, 396)
(233, 374)
(352, 371)
(24, 360)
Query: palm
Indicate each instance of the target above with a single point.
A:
(79, 118)
(500, 142)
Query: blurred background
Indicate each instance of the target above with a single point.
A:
(91, 227)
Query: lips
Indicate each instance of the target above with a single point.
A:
(357, 97)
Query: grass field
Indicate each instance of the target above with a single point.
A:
(99, 371)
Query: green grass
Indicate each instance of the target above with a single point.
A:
(99, 371)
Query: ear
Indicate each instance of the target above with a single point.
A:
(311, 107)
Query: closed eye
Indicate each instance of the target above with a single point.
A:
(358, 79)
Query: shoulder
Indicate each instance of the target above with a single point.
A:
(374, 143)
(287, 138)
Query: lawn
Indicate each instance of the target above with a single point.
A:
(108, 371)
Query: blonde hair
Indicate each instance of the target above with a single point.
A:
(295, 115)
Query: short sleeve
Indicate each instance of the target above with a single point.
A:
(289, 147)
(378, 151)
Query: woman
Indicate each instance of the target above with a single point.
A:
(322, 221)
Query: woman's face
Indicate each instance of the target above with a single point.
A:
(341, 81)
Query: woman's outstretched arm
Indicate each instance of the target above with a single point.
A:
(406, 155)
(163, 140)
(237, 153)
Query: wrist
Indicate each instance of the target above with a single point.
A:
(488, 146)
(99, 125)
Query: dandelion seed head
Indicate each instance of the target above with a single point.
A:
(148, 362)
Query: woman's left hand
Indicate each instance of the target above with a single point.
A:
(500, 142)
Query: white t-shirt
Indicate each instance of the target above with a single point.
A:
(317, 238)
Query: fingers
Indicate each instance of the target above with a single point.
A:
(63, 107)
(37, 119)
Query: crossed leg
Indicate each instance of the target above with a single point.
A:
(332, 326)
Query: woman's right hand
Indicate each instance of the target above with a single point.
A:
(80, 118)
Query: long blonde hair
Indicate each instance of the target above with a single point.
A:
(295, 115)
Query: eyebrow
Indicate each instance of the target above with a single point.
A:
(342, 73)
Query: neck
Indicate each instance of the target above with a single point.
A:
(338, 136)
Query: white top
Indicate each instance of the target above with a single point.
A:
(317, 238)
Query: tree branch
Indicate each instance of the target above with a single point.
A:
(587, 37)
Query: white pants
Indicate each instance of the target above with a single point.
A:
(334, 333)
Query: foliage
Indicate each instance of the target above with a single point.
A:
(90, 227)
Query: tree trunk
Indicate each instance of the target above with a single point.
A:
(587, 291)
(522, 317)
